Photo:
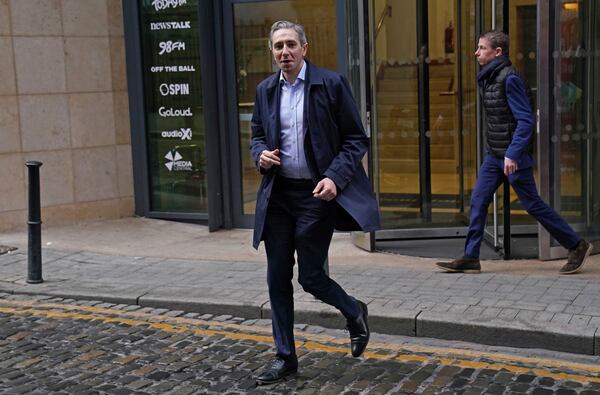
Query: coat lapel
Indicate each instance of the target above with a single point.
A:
(313, 77)
(273, 98)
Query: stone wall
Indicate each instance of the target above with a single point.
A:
(63, 101)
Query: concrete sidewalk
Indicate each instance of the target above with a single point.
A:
(173, 265)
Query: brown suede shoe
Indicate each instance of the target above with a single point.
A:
(461, 265)
(577, 257)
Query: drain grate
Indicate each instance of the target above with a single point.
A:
(5, 249)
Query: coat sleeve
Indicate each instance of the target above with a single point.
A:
(518, 101)
(353, 141)
(259, 139)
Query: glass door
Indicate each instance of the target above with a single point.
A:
(250, 61)
(519, 19)
(424, 136)
(570, 150)
(172, 107)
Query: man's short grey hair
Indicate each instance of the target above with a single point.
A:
(497, 40)
(287, 25)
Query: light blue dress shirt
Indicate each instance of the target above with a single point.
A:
(291, 117)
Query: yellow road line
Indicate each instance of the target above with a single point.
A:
(162, 326)
(312, 341)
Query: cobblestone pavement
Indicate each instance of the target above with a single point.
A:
(530, 310)
(52, 345)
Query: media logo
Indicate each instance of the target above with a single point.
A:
(175, 162)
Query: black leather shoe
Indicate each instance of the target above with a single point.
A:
(359, 331)
(462, 265)
(276, 371)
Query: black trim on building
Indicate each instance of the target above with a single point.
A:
(424, 132)
(212, 105)
(135, 83)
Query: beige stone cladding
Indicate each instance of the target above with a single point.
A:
(64, 102)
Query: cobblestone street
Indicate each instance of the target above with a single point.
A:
(76, 347)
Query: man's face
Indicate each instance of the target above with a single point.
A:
(287, 51)
(485, 53)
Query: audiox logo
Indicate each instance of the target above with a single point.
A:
(165, 4)
(183, 133)
(175, 162)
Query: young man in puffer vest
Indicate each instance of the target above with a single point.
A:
(509, 136)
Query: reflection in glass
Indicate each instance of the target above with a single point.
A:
(523, 41)
(575, 146)
(397, 111)
(254, 62)
(521, 21)
(444, 113)
(468, 106)
(521, 24)
(397, 114)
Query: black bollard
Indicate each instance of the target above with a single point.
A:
(34, 225)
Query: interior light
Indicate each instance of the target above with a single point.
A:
(570, 6)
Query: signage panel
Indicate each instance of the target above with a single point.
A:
(173, 104)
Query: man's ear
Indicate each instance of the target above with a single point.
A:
(499, 51)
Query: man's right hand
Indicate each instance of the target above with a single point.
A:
(510, 166)
(268, 159)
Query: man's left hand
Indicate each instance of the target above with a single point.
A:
(510, 166)
(325, 190)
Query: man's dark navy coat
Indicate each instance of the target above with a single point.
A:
(335, 144)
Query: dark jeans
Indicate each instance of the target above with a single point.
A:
(491, 175)
(298, 222)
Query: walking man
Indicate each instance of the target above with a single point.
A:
(307, 142)
(509, 135)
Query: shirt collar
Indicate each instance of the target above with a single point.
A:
(301, 75)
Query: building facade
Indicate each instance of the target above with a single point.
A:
(64, 102)
(192, 68)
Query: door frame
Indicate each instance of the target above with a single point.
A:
(546, 71)
(425, 195)
(137, 113)
(495, 233)
(425, 186)
(231, 145)
(545, 104)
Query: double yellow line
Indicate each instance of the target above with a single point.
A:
(542, 367)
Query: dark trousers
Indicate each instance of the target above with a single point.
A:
(491, 175)
(298, 222)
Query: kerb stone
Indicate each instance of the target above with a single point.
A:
(493, 331)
